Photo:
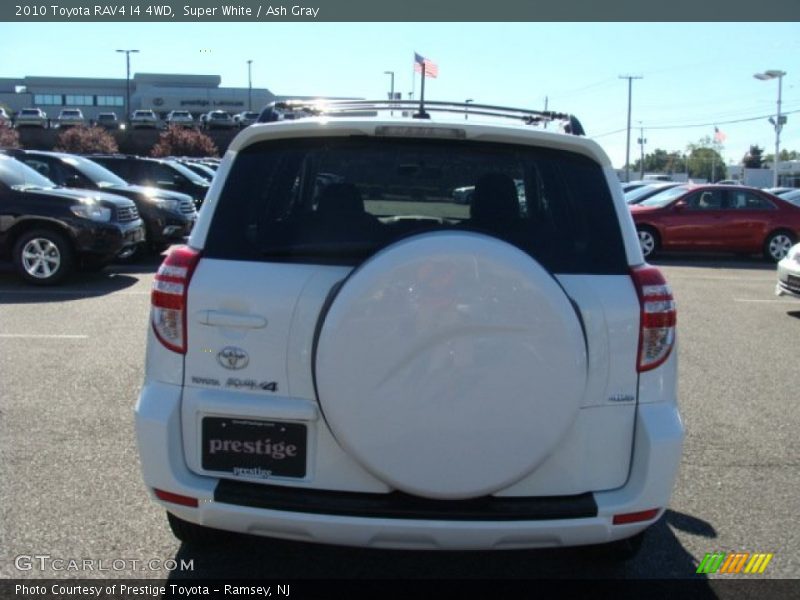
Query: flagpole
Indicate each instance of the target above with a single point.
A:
(422, 114)
(413, 81)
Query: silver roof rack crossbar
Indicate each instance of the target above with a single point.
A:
(569, 122)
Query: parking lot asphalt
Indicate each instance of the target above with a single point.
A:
(71, 363)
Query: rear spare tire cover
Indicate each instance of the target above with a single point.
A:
(450, 365)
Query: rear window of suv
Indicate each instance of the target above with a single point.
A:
(339, 200)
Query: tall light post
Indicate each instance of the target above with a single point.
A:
(249, 86)
(642, 141)
(128, 85)
(391, 88)
(778, 121)
(630, 79)
(466, 108)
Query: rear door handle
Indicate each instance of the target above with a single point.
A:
(217, 318)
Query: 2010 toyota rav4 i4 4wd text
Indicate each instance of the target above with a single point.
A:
(344, 354)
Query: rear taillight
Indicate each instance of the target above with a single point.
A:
(657, 323)
(168, 298)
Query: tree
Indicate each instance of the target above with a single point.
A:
(661, 161)
(705, 160)
(785, 155)
(86, 140)
(177, 141)
(754, 158)
(9, 138)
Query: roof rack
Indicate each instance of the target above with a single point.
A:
(293, 109)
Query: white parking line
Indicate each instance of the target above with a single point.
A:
(768, 301)
(92, 293)
(43, 336)
(759, 281)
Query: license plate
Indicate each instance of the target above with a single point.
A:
(137, 235)
(254, 448)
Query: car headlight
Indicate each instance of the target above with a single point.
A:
(91, 211)
(167, 204)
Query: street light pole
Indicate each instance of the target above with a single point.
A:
(249, 86)
(630, 79)
(642, 142)
(128, 85)
(466, 108)
(778, 121)
(391, 88)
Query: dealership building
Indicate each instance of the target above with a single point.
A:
(161, 92)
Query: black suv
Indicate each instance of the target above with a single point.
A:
(168, 216)
(49, 231)
(164, 174)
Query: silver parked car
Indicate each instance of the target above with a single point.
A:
(180, 118)
(70, 117)
(219, 119)
(144, 119)
(31, 117)
(789, 274)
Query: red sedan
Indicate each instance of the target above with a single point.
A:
(717, 218)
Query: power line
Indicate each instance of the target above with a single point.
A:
(720, 122)
(710, 124)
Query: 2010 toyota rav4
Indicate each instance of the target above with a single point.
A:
(345, 354)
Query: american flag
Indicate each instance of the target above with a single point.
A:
(719, 136)
(431, 68)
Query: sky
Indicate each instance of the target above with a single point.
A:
(695, 76)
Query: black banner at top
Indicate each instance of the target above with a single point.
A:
(264, 11)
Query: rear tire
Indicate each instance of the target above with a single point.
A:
(777, 245)
(43, 257)
(195, 535)
(648, 241)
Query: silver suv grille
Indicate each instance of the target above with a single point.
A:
(187, 207)
(127, 213)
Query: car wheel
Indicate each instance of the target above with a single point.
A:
(777, 245)
(195, 535)
(43, 257)
(648, 240)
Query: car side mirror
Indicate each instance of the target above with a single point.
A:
(680, 205)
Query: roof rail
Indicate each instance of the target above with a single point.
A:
(292, 109)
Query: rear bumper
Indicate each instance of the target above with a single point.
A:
(289, 513)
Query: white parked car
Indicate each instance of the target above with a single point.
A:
(789, 274)
(70, 117)
(219, 119)
(31, 117)
(339, 356)
(180, 118)
(144, 119)
(5, 120)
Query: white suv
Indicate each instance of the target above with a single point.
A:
(345, 354)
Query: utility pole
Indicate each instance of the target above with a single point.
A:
(545, 110)
(466, 108)
(391, 88)
(630, 79)
(128, 85)
(249, 86)
(642, 142)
